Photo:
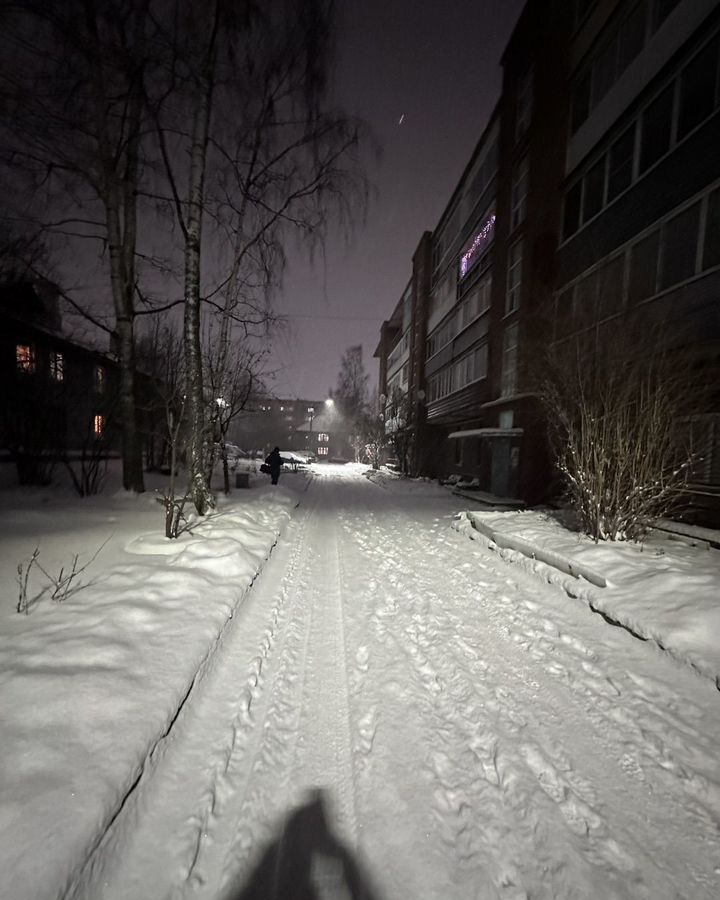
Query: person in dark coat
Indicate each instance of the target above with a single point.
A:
(274, 461)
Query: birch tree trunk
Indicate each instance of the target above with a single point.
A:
(198, 486)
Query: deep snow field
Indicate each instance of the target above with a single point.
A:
(328, 689)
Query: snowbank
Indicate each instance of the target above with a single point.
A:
(90, 685)
(666, 589)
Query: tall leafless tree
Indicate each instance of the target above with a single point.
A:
(72, 119)
(251, 155)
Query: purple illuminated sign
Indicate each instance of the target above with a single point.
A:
(479, 244)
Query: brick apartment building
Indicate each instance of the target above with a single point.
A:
(596, 182)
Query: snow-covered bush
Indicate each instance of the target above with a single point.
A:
(615, 398)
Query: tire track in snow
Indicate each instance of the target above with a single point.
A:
(224, 850)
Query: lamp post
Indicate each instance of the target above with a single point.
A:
(311, 410)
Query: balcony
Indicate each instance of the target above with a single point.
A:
(399, 353)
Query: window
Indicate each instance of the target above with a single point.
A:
(594, 190)
(509, 361)
(704, 440)
(571, 216)
(711, 248)
(610, 286)
(57, 366)
(471, 367)
(25, 357)
(442, 384)
(523, 107)
(506, 418)
(643, 268)
(99, 379)
(514, 277)
(323, 437)
(483, 294)
(476, 247)
(98, 426)
(322, 451)
(679, 251)
(620, 163)
(697, 88)
(656, 125)
(519, 193)
(311, 409)
(661, 10)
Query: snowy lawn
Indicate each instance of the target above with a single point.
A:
(89, 685)
(666, 589)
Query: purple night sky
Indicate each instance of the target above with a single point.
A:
(437, 66)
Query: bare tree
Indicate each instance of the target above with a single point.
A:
(72, 82)
(266, 160)
(398, 418)
(351, 391)
(160, 351)
(615, 396)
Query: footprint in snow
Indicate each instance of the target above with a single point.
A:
(362, 659)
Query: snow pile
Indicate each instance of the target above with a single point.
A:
(89, 686)
(665, 589)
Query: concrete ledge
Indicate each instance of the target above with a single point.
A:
(549, 557)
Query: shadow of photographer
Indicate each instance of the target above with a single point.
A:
(306, 862)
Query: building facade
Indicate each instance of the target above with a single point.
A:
(593, 190)
(58, 398)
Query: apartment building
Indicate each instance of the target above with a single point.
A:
(593, 187)
(641, 193)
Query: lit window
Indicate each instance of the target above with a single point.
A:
(478, 244)
(514, 277)
(311, 409)
(519, 193)
(57, 366)
(282, 409)
(98, 426)
(99, 379)
(323, 437)
(25, 357)
(322, 451)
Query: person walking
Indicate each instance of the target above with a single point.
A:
(274, 461)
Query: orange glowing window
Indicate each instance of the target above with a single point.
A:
(25, 357)
(98, 426)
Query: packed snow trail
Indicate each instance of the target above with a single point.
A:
(474, 733)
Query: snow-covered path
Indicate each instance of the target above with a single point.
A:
(475, 733)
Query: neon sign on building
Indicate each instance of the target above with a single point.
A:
(479, 244)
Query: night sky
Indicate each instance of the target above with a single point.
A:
(437, 66)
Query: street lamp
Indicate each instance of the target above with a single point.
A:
(311, 410)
